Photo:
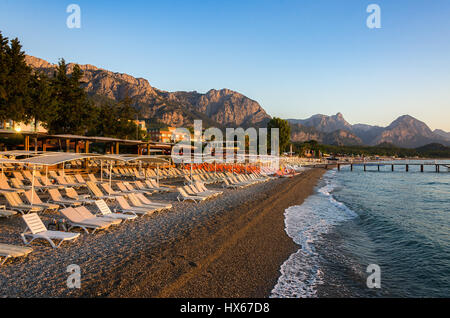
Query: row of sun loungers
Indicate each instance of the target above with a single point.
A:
(115, 202)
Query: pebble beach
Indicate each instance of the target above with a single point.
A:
(229, 246)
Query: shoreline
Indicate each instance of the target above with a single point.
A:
(241, 259)
(232, 246)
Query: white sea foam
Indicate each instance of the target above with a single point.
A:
(301, 272)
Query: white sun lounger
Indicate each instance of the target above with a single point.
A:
(106, 212)
(75, 219)
(183, 196)
(37, 230)
(10, 251)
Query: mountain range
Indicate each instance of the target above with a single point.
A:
(216, 107)
(406, 131)
(227, 108)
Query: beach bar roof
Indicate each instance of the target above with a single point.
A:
(56, 158)
(10, 161)
(95, 139)
(62, 157)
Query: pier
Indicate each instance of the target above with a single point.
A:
(394, 166)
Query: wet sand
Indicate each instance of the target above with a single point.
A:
(232, 246)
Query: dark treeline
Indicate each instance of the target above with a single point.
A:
(428, 151)
(58, 103)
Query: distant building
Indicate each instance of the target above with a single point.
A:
(19, 127)
(141, 124)
(167, 134)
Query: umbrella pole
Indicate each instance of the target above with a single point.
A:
(101, 170)
(32, 185)
(157, 177)
(110, 171)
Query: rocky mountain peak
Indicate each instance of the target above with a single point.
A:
(224, 106)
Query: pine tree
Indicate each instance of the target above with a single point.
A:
(41, 106)
(14, 79)
(17, 82)
(284, 132)
(4, 71)
(75, 113)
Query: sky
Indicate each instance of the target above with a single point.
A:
(296, 58)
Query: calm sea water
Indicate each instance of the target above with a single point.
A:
(397, 220)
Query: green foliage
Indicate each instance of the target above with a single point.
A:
(14, 77)
(41, 106)
(74, 112)
(60, 103)
(284, 132)
(116, 120)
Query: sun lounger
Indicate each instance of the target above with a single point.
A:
(38, 202)
(140, 188)
(71, 180)
(97, 193)
(92, 178)
(136, 202)
(56, 197)
(75, 219)
(125, 189)
(37, 184)
(80, 179)
(127, 208)
(192, 190)
(106, 212)
(109, 190)
(146, 201)
(183, 196)
(228, 184)
(83, 198)
(37, 230)
(154, 186)
(201, 187)
(12, 251)
(62, 181)
(84, 212)
(4, 186)
(6, 213)
(16, 204)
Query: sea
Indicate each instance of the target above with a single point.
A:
(371, 234)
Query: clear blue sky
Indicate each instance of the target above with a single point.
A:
(296, 58)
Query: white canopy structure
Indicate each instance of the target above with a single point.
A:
(57, 158)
